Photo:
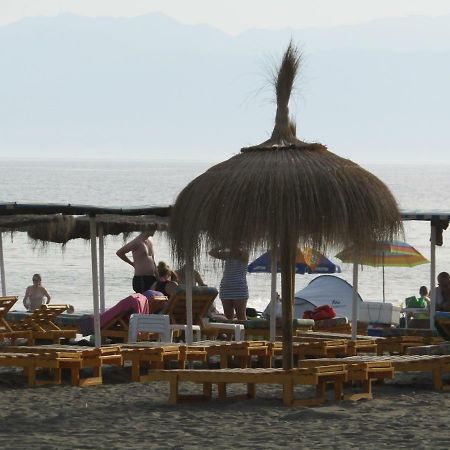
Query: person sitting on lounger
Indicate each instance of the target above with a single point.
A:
(36, 294)
(165, 284)
(181, 274)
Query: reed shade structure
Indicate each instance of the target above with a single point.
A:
(61, 229)
(280, 194)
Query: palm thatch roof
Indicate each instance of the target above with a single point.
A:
(282, 189)
(23, 222)
(282, 193)
(65, 228)
(53, 222)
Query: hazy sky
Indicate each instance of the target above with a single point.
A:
(232, 16)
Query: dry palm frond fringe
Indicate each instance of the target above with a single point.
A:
(283, 189)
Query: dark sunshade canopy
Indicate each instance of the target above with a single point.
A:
(324, 265)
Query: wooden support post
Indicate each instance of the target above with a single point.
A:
(173, 396)
(287, 294)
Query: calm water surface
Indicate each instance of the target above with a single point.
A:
(66, 272)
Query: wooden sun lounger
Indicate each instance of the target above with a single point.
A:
(30, 362)
(156, 355)
(241, 352)
(313, 349)
(398, 344)
(75, 358)
(6, 331)
(436, 364)
(357, 371)
(41, 323)
(202, 300)
(151, 354)
(318, 377)
(118, 326)
(366, 345)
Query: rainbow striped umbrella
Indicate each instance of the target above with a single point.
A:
(385, 254)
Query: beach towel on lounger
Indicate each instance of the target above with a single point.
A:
(133, 304)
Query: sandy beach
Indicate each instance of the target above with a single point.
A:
(406, 412)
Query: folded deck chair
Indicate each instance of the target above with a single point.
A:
(6, 330)
(202, 300)
(41, 323)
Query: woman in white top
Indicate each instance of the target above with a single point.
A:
(36, 294)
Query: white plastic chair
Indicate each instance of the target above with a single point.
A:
(150, 323)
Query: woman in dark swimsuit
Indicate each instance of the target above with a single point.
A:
(166, 283)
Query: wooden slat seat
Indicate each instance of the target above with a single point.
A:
(353, 347)
(30, 362)
(6, 330)
(436, 364)
(398, 344)
(202, 300)
(41, 323)
(153, 354)
(319, 349)
(357, 371)
(317, 377)
(76, 358)
(241, 352)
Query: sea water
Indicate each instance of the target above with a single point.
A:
(66, 271)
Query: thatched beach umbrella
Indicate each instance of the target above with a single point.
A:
(279, 194)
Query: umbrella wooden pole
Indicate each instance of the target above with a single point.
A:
(355, 304)
(433, 276)
(382, 262)
(273, 294)
(93, 229)
(2, 267)
(287, 294)
(189, 283)
(101, 266)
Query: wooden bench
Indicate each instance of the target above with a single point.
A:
(318, 377)
(318, 349)
(241, 352)
(75, 358)
(362, 372)
(398, 344)
(149, 354)
(435, 364)
(30, 362)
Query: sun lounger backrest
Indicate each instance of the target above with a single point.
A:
(41, 319)
(202, 299)
(6, 303)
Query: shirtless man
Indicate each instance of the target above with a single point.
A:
(443, 292)
(145, 273)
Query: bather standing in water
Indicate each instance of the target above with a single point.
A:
(36, 294)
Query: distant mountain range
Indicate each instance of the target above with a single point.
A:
(151, 87)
